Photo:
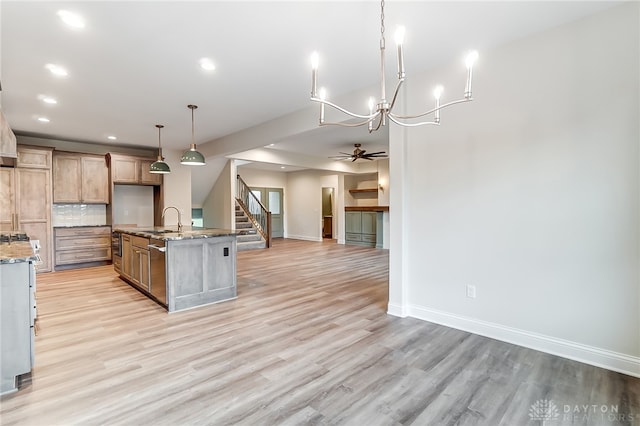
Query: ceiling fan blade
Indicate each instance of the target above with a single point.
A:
(354, 159)
(376, 153)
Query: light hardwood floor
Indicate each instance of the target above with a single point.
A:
(307, 341)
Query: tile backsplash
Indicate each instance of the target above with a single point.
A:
(79, 214)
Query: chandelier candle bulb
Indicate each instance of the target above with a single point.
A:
(323, 96)
(314, 73)
(371, 105)
(399, 41)
(471, 58)
(437, 93)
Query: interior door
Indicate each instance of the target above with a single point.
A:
(271, 198)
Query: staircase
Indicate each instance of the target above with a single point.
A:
(252, 240)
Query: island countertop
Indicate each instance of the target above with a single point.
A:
(169, 233)
(17, 251)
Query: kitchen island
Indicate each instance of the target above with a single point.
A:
(17, 312)
(179, 269)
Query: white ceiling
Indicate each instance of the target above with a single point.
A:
(135, 64)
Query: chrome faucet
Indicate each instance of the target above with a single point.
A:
(179, 216)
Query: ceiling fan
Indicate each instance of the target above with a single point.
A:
(360, 154)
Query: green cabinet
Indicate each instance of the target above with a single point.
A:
(360, 228)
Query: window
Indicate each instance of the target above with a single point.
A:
(196, 218)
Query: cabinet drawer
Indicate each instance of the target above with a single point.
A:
(353, 237)
(80, 256)
(71, 243)
(140, 242)
(370, 238)
(80, 231)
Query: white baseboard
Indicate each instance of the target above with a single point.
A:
(567, 349)
(396, 310)
(305, 238)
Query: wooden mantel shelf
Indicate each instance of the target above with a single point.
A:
(359, 191)
(366, 208)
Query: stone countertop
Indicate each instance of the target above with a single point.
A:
(81, 226)
(170, 233)
(17, 251)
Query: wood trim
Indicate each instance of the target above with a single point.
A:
(366, 208)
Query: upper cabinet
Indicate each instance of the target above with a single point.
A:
(8, 143)
(80, 178)
(126, 169)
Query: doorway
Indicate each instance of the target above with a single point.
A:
(327, 212)
(271, 199)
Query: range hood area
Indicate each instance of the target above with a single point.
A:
(8, 144)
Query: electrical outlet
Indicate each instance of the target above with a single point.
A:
(471, 291)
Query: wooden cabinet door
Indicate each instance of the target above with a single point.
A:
(127, 264)
(124, 170)
(67, 179)
(144, 269)
(369, 222)
(37, 158)
(146, 177)
(95, 180)
(33, 207)
(7, 198)
(353, 222)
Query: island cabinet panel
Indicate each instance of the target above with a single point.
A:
(17, 317)
(200, 271)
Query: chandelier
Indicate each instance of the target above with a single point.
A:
(382, 111)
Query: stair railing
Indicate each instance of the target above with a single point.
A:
(255, 210)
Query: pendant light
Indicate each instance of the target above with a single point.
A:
(191, 157)
(159, 167)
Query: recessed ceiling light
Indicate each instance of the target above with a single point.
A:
(112, 138)
(43, 119)
(207, 64)
(282, 167)
(56, 70)
(71, 19)
(47, 99)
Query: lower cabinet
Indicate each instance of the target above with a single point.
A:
(360, 228)
(82, 246)
(140, 262)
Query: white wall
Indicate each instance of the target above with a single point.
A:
(133, 205)
(217, 209)
(303, 205)
(531, 194)
(263, 178)
(177, 189)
